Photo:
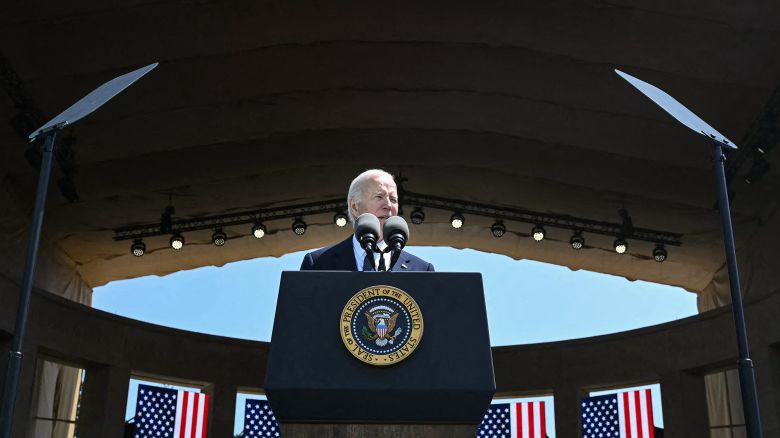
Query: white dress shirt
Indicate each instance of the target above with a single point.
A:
(360, 254)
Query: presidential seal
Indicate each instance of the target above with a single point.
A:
(381, 325)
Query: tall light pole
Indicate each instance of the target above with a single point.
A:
(48, 133)
(747, 377)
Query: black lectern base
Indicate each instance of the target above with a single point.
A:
(345, 430)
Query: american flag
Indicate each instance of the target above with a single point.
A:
(623, 415)
(259, 420)
(514, 420)
(170, 413)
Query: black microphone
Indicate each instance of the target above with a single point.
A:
(396, 233)
(367, 231)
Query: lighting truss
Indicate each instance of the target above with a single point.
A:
(547, 220)
(226, 220)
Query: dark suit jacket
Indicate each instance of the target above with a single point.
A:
(341, 257)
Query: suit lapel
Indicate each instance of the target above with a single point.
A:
(344, 255)
(402, 264)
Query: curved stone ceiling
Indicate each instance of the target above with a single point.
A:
(259, 104)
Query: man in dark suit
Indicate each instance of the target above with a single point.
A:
(373, 191)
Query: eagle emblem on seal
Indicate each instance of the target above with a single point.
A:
(381, 322)
(381, 325)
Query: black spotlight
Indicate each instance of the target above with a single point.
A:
(577, 241)
(621, 246)
(340, 219)
(299, 226)
(258, 230)
(417, 216)
(177, 241)
(219, 237)
(138, 248)
(498, 229)
(538, 233)
(659, 253)
(457, 220)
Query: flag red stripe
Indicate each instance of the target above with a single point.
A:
(183, 428)
(205, 413)
(194, 415)
(542, 420)
(530, 417)
(638, 413)
(627, 415)
(650, 423)
(519, 415)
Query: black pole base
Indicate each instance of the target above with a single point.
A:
(9, 391)
(747, 383)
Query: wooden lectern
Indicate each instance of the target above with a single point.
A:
(316, 387)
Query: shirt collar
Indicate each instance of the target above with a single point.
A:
(359, 251)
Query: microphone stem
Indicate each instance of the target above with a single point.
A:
(394, 257)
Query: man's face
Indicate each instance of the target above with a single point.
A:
(380, 198)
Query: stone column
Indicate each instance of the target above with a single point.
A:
(222, 409)
(103, 402)
(5, 348)
(567, 410)
(684, 402)
(766, 360)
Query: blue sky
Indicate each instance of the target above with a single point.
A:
(527, 301)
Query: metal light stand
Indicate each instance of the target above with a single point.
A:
(48, 133)
(15, 355)
(747, 378)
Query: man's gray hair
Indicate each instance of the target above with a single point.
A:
(358, 184)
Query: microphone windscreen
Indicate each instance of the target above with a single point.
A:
(396, 226)
(366, 223)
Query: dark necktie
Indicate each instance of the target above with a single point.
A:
(368, 262)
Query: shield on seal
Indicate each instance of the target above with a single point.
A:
(381, 328)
